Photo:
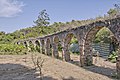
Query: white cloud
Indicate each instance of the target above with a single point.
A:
(10, 8)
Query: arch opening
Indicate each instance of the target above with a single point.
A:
(48, 47)
(31, 46)
(101, 47)
(25, 44)
(43, 46)
(37, 47)
(71, 47)
(56, 47)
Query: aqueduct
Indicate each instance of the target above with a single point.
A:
(84, 34)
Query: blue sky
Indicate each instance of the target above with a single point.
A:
(18, 14)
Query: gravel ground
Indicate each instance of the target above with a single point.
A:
(21, 67)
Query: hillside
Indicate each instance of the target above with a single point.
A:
(7, 40)
(36, 31)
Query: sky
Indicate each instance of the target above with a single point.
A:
(18, 14)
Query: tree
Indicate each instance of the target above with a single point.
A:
(43, 19)
(117, 7)
(115, 11)
(2, 33)
(112, 12)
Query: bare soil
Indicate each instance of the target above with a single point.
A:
(21, 67)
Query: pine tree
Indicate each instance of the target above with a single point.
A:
(43, 19)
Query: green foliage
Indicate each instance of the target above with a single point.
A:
(112, 12)
(74, 40)
(40, 29)
(12, 49)
(2, 33)
(6, 38)
(59, 47)
(38, 48)
(43, 19)
(103, 36)
(112, 57)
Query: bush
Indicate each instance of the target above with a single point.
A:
(12, 49)
(112, 57)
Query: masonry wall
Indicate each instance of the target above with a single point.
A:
(102, 48)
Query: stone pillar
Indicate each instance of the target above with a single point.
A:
(65, 52)
(54, 50)
(47, 48)
(81, 47)
(42, 47)
(39, 47)
(28, 46)
(25, 44)
(118, 64)
(88, 53)
(34, 44)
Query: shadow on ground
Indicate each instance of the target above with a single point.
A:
(70, 78)
(111, 73)
(19, 72)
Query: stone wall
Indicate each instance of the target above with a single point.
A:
(102, 48)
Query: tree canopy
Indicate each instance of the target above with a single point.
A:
(43, 19)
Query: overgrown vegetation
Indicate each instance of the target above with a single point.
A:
(12, 49)
(113, 56)
(42, 28)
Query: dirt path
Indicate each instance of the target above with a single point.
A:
(20, 67)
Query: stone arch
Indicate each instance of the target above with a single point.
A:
(56, 39)
(69, 36)
(48, 46)
(114, 27)
(37, 43)
(31, 46)
(25, 44)
(67, 40)
(89, 38)
(56, 42)
(18, 43)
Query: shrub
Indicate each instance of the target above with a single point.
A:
(112, 57)
(12, 49)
